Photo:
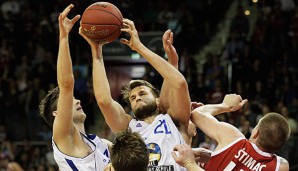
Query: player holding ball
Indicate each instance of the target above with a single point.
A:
(157, 129)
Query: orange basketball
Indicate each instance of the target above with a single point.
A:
(102, 21)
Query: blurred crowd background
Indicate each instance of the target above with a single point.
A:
(258, 62)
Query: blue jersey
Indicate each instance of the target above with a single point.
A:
(160, 136)
(95, 161)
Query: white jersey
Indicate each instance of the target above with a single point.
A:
(95, 161)
(160, 137)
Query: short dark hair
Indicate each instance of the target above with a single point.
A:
(136, 83)
(49, 104)
(129, 152)
(274, 131)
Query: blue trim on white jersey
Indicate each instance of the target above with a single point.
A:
(88, 138)
(71, 165)
(91, 136)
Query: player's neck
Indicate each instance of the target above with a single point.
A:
(150, 119)
(254, 141)
(81, 127)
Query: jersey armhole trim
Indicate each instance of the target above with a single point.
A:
(226, 147)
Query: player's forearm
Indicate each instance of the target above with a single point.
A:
(165, 88)
(64, 64)
(113, 113)
(167, 71)
(172, 56)
(206, 123)
(164, 96)
(101, 85)
(214, 109)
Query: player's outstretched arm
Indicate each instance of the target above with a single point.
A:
(166, 93)
(113, 112)
(230, 103)
(63, 125)
(170, 94)
(167, 41)
(180, 104)
(203, 118)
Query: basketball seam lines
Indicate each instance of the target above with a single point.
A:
(110, 34)
(108, 12)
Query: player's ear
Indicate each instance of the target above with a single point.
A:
(54, 113)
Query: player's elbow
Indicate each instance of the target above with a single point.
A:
(102, 101)
(66, 81)
(196, 116)
(181, 83)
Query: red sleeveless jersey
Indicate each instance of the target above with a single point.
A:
(242, 155)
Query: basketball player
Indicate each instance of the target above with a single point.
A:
(129, 152)
(73, 148)
(158, 130)
(234, 152)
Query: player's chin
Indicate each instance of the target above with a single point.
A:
(83, 116)
(140, 106)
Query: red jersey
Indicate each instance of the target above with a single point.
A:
(242, 155)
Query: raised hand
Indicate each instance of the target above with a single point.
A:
(134, 43)
(233, 102)
(91, 42)
(66, 24)
(167, 42)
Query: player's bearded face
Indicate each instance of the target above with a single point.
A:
(146, 110)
